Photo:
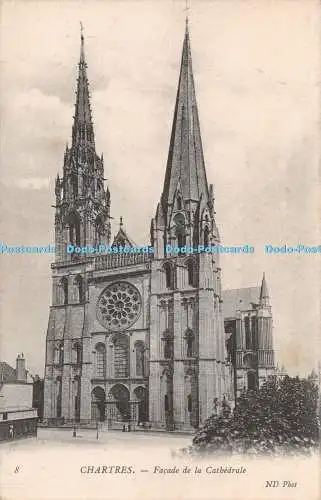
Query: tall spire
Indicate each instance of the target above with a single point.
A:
(82, 202)
(83, 131)
(264, 293)
(185, 164)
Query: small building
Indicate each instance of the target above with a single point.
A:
(249, 335)
(17, 416)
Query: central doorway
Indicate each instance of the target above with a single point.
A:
(120, 394)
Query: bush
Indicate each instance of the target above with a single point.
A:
(279, 418)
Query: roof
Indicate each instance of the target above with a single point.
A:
(239, 299)
(7, 373)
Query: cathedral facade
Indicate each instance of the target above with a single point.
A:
(143, 336)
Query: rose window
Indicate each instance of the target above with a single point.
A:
(119, 306)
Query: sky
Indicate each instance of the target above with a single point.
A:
(256, 69)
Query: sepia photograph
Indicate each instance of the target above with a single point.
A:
(160, 250)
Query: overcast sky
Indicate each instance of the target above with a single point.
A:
(256, 67)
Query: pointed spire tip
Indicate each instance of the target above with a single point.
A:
(81, 30)
(264, 294)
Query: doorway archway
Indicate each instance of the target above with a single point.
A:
(142, 397)
(120, 394)
(98, 397)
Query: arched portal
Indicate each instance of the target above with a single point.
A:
(120, 395)
(98, 404)
(142, 396)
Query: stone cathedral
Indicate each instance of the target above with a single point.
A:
(147, 337)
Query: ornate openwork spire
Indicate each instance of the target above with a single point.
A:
(83, 131)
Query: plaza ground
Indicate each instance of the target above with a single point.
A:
(110, 438)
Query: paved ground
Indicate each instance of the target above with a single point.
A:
(114, 439)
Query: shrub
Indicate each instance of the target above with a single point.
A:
(279, 418)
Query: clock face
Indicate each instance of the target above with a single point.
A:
(119, 306)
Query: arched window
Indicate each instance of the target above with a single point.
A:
(100, 360)
(169, 275)
(206, 236)
(59, 394)
(190, 338)
(121, 356)
(181, 237)
(189, 403)
(179, 202)
(77, 354)
(190, 272)
(168, 345)
(140, 358)
(74, 229)
(180, 230)
(248, 343)
(79, 282)
(64, 286)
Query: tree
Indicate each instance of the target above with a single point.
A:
(280, 417)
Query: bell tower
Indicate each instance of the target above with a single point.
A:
(82, 203)
(188, 366)
(185, 214)
(82, 217)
